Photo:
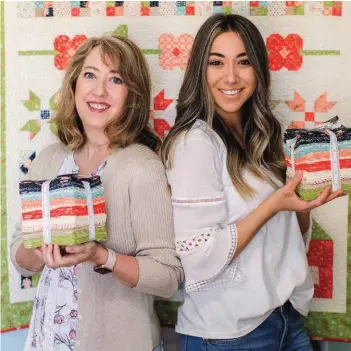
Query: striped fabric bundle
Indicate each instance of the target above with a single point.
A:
(66, 210)
(323, 154)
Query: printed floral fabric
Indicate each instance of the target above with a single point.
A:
(55, 313)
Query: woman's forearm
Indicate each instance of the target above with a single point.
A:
(27, 259)
(252, 223)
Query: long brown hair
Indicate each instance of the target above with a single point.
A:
(133, 126)
(262, 149)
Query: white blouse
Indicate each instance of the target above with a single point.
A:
(228, 298)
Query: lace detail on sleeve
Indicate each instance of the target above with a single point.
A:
(199, 286)
(188, 245)
(210, 200)
(231, 275)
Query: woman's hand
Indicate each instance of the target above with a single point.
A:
(75, 254)
(286, 199)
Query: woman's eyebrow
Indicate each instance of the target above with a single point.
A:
(242, 54)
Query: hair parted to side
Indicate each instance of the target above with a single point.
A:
(133, 126)
(262, 150)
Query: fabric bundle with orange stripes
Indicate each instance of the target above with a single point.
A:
(66, 210)
(323, 155)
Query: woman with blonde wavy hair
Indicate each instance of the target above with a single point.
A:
(99, 296)
(238, 227)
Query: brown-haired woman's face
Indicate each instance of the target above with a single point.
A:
(100, 94)
(230, 76)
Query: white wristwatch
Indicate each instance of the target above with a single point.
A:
(109, 265)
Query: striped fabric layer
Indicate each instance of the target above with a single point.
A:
(312, 154)
(68, 206)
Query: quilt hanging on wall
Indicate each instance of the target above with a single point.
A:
(309, 57)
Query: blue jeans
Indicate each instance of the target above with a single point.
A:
(283, 330)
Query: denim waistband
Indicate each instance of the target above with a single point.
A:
(286, 307)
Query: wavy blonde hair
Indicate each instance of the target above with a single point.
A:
(133, 126)
(262, 149)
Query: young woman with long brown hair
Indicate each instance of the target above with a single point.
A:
(238, 227)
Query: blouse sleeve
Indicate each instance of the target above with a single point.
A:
(205, 241)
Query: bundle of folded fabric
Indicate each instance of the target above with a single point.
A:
(67, 210)
(323, 154)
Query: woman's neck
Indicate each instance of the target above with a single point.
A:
(93, 150)
(233, 123)
(97, 144)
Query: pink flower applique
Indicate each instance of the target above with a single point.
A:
(66, 48)
(175, 51)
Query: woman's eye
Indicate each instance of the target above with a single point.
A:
(116, 80)
(245, 62)
(89, 75)
(215, 63)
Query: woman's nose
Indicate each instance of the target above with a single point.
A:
(100, 88)
(232, 75)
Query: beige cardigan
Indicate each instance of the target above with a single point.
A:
(140, 224)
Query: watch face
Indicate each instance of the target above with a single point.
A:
(102, 270)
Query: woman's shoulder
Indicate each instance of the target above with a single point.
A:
(48, 161)
(203, 133)
(136, 153)
(52, 150)
(135, 159)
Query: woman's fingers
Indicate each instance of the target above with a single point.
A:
(295, 181)
(335, 194)
(324, 197)
(53, 258)
(320, 200)
(75, 249)
(57, 255)
(48, 256)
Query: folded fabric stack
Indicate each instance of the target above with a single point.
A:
(323, 155)
(66, 210)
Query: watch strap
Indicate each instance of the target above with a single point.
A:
(110, 263)
(111, 260)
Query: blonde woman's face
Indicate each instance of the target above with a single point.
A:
(230, 76)
(100, 94)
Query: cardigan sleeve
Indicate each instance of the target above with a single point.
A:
(16, 241)
(205, 241)
(160, 270)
